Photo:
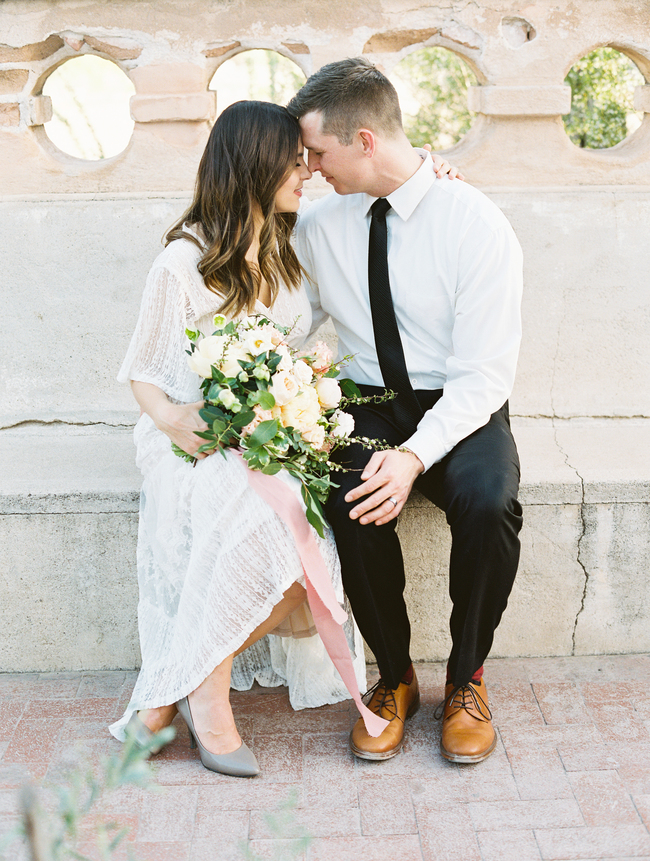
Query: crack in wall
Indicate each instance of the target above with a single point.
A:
(581, 537)
(65, 423)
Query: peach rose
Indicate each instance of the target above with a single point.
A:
(284, 387)
(303, 373)
(329, 392)
(260, 416)
(303, 411)
(315, 435)
(324, 358)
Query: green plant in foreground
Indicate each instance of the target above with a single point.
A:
(54, 836)
(295, 839)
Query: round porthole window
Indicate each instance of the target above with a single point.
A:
(90, 106)
(432, 84)
(602, 99)
(256, 74)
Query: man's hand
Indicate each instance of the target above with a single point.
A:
(388, 475)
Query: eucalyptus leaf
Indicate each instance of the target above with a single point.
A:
(263, 433)
(265, 400)
(243, 418)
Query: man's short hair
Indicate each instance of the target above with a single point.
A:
(350, 94)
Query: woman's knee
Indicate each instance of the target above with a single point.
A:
(296, 594)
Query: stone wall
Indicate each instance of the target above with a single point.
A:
(78, 238)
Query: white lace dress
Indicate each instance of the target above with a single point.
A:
(213, 558)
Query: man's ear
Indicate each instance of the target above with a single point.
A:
(368, 142)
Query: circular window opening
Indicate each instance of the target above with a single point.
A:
(602, 99)
(432, 86)
(90, 108)
(258, 74)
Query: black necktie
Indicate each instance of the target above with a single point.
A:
(406, 409)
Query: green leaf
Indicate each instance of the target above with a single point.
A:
(243, 418)
(263, 433)
(314, 512)
(273, 361)
(210, 413)
(217, 375)
(215, 389)
(265, 400)
(272, 468)
(349, 388)
(182, 454)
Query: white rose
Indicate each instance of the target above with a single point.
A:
(259, 340)
(303, 373)
(208, 352)
(212, 348)
(230, 365)
(199, 365)
(329, 392)
(344, 424)
(303, 411)
(284, 387)
(286, 362)
(315, 435)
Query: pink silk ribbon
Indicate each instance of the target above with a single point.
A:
(326, 610)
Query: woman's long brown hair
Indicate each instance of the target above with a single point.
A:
(251, 149)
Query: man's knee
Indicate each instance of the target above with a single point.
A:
(490, 500)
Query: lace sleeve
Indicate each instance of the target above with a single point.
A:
(156, 353)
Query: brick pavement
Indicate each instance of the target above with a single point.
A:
(570, 778)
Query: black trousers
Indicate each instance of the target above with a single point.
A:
(476, 485)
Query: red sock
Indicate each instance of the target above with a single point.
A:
(478, 675)
(407, 678)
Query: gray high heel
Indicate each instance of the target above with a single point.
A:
(142, 735)
(239, 763)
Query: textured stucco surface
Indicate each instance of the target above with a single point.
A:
(79, 237)
(72, 272)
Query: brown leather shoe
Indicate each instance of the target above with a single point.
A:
(467, 731)
(394, 705)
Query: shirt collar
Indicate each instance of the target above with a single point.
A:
(405, 199)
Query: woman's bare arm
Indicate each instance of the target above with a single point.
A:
(177, 421)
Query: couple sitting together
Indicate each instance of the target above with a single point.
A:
(422, 278)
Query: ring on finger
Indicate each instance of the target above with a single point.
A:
(393, 500)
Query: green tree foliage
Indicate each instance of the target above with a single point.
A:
(602, 92)
(437, 80)
(256, 74)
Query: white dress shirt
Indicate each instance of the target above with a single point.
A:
(456, 280)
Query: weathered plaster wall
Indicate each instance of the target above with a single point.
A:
(78, 238)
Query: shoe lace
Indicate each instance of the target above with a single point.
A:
(385, 704)
(465, 697)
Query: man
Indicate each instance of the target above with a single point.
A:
(422, 279)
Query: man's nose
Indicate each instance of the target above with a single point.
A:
(312, 162)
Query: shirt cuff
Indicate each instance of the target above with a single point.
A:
(421, 445)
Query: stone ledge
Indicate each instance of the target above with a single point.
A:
(68, 527)
(66, 469)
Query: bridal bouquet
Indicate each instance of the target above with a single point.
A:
(282, 409)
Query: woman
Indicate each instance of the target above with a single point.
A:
(218, 570)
